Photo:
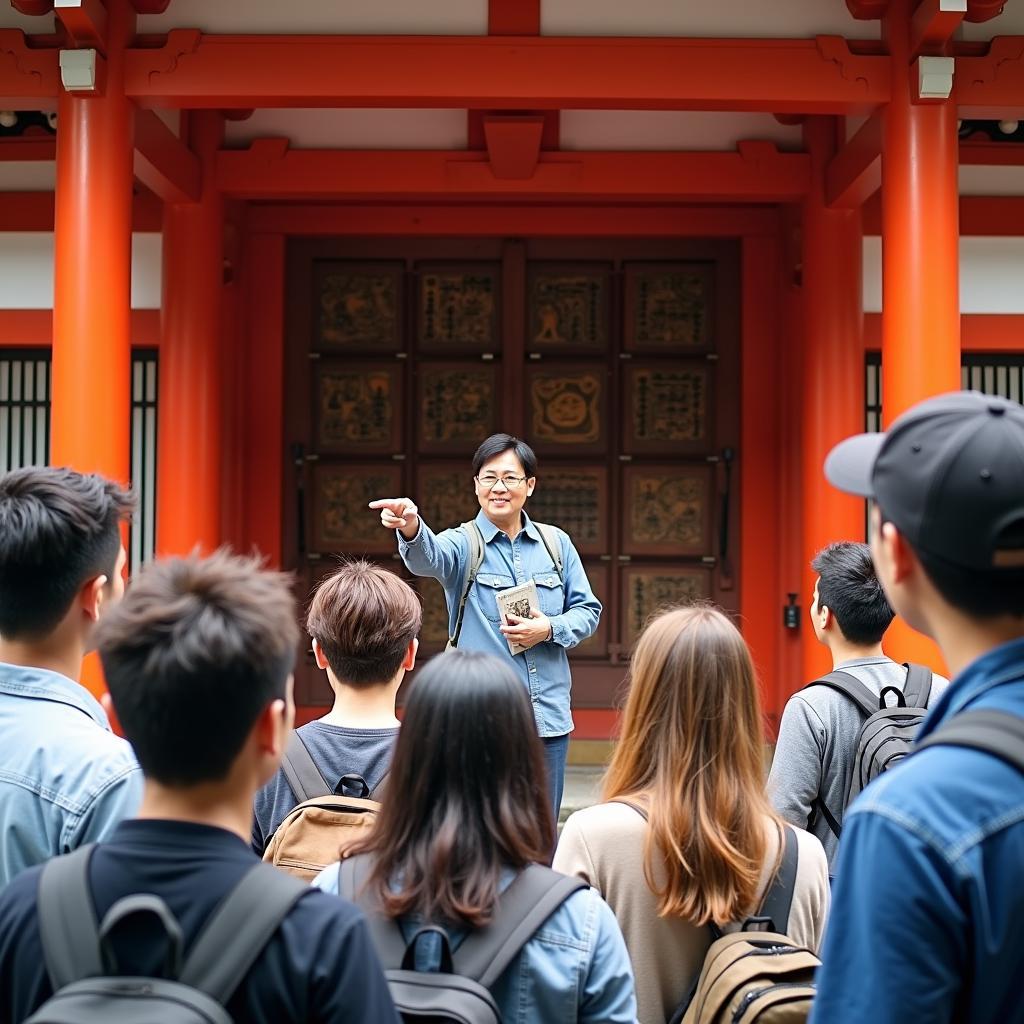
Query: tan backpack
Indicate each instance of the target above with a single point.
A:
(323, 825)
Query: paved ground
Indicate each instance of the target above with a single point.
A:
(582, 788)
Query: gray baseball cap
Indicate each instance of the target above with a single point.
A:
(949, 473)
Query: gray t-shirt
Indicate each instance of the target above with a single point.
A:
(336, 750)
(818, 743)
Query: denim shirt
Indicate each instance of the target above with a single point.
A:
(573, 609)
(927, 920)
(65, 778)
(575, 968)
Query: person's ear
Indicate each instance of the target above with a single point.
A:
(897, 553)
(531, 485)
(409, 662)
(272, 728)
(91, 597)
(318, 654)
(825, 616)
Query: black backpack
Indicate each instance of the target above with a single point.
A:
(996, 732)
(83, 968)
(888, 732)
(459, 992)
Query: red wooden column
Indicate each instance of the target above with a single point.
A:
(189, 425)
(92, 268)
(833, 369)
(920, 258)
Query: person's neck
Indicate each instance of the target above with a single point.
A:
(215, 805)
(371, 707)
(55, 654)
(962, 641)
(842, 651)
(511, 527)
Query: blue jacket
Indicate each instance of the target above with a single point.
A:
(574, 969)
(65, 778)
(573, 609)
(927, 919)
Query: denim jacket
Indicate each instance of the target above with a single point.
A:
(573, 609)
(575, 968)
(65, 778)
(927, 921)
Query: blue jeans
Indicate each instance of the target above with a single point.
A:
(556, 750)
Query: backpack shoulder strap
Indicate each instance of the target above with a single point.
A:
(523, 907)
(386, 932)
(67, 919)
(995, 732)
(239, 929)
(851, 688)
(305, 779)
(475, 551)
(779, 898)
(549, 535)
(918, 687)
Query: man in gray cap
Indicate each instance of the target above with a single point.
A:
(927, 920)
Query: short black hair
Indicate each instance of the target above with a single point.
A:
(498, 444)
(193, 654)
(58, 530)
(850, 589)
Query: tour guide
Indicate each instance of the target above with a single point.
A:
(514, 551)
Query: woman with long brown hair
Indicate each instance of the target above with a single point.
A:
(466, 812)
(686, 836)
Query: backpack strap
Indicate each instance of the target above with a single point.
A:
(918, 687)
(386, 932)
(475, 542)
(67, 919)
(239, 930)
(306, 780)
(523, 907)
(553, 543)
(851, 688)
(779, 898)
(819, 807)
(378, 791)
(995, 732)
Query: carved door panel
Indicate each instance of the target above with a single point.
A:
(616, 360)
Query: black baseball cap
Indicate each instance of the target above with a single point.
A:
(949, 473)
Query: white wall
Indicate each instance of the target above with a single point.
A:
(991, 275)
(26, 270)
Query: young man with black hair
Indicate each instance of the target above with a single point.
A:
(364, 623)
(65, 778)
(198, 658)
(814, 757)
(514, 551)
(927, 920)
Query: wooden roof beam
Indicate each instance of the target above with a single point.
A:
(991, 87)
(85, 22)
(29, 78)
(755, 172)
(821, 75)
(163, 163)
(932, 25)
(854, 174)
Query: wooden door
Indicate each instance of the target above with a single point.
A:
(617, 361)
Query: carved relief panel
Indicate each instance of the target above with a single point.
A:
(668, 307)
(668, 409)
(576, 499)
(566, 411)
(649, 589)
(358, 407)
(457, 407)
(668, 510)
(458, 308)
(358, 306)
(567, 308)
(444, 493)
(342, 522)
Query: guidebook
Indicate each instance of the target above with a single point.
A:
(518, 601)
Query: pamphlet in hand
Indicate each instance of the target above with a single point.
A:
(519, 601)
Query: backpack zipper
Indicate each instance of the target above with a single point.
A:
(757, 993)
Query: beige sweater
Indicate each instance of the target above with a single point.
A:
(604, 844)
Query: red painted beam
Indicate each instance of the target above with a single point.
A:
(163, 163)
(85, 22)
(33, 328)
(33, 211)
(513, 17)
(33, 8)
(756, 172)
(150, 6)
(932, 25)
(992, 154)
(855, 172)
(29, 78)
(991, 86)
(475, 220)
(28, 147)
(979, 332)
(818, 75)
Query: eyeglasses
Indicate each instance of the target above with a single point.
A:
(510, 480)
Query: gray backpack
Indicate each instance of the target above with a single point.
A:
(548, 534)
(83, 968)
(459, 991)
(998, 733)
(888, 732)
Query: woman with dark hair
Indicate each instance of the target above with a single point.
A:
(467, 810)
(686, 786)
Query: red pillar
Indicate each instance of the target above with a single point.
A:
(92, 269)
(833, 370)
(189, 428)
(920, 259)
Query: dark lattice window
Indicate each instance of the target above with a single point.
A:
(144, 396)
